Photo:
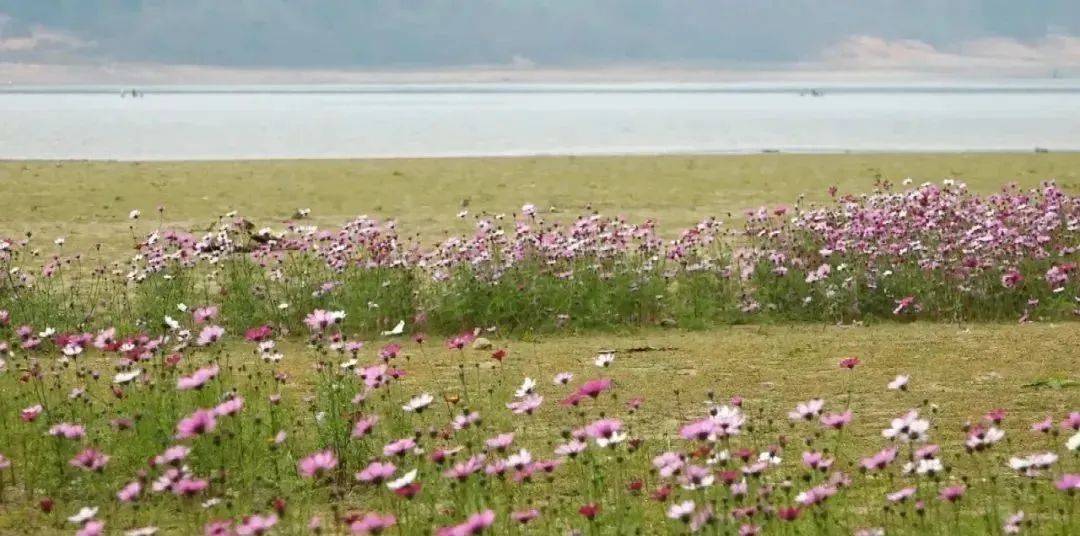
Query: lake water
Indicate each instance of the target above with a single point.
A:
(393, 121)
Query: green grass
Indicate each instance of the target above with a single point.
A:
(963, 369)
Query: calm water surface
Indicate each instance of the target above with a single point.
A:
(171, 123)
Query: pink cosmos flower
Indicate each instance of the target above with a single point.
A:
(390, 351)
(372, 523)
(952, 493)
(816, 460)
(68, 431)
(901, 495)
(229, 407)
(256, 524)
(460, 341)
(462, 470)
(668, 464)
(259, 333)
(815, 495)
(129, 492)
(93, 527)
(807, 410)
(1011, 278)
(89, 460)
(202, 314)
(836, 420)
(849, 362)
(200, 422)
(525, 516)
(189, 487)
(172, 456)
(526, 405)
(1044, 425)
(605, 431)
(399, 447)
(475, 524)
(209, 335)
(903, 305)
(571, 448)
(364, 426)
(1069, 482)
(500, 442)
(31, 413)
(927, 452)
(218, 528)
(593, 388)
(880, 460)
(1072, 421)
(376, 472)
(1012, 524)
(317, 464)
(319, 319)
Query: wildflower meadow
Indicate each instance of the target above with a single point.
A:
(243, 377)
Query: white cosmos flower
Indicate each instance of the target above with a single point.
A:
(72, 350)
(519, 460)
(398, 329)
(124, 377)
(526, 388)
(49, 332)
(210, 503)
(604, 359)
(770, 458)
(85, 514)
(181, 307)
(405, 480)
(1074, 442)
(926, 466)
(349, 364)
(134, 214)
(418, 403)
(282, 306)
(681, 510)
(899, 383)
(611, 440)
(909, 427)
(172, 323)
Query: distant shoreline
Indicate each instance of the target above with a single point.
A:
(554, 155)
(805, 87)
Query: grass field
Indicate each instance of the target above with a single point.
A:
(959, 371)
(88, 203)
